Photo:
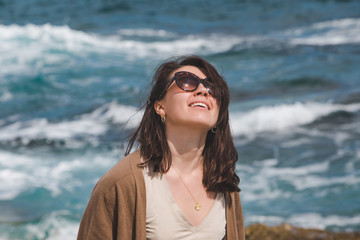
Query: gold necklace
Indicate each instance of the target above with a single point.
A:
(197, 206)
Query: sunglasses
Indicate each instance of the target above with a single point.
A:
(189, 82)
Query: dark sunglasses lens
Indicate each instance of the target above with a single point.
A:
(187, 82)
(210, 87)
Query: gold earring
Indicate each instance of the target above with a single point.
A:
(163, 118)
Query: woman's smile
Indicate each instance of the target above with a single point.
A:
(199, 104)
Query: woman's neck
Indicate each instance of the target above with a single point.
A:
(186, 146)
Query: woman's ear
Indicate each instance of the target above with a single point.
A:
(159, 108)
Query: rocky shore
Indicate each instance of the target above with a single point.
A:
(288, 232)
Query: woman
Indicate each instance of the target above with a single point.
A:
(181, 183)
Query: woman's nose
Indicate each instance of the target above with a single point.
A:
(201, 90)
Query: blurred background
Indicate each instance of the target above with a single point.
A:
(74, 73)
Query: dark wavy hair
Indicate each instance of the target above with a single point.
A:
(219, 153)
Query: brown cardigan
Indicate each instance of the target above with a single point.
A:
(117, 206)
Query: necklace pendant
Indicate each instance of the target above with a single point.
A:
(197, 207)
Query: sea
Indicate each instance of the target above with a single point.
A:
(74, 75)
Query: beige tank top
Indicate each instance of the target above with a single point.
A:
(166, 221)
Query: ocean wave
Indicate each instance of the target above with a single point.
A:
(36, 46)
(337, 117)
(13, 183)
(303, 82)
(298, 175)
(88, 126)
(282, 117)
(146, 32)
(6, 96)
(26, 173)
(325, 33)
(313, 181)
(32, 47)
(57, 225)
(22, 172)
(265, 174)
(43, 129)
(334, 32)
(311, 220)
(277, 118)
(308, 220)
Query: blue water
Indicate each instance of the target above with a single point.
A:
(73, 74)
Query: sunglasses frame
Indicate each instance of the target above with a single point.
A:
(204, 82)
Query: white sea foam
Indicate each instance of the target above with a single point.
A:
(13, 183)
(6, 96)
(315, 220)
(24, 173)
(283, 117)
(294, 172)
(87, 125)
(56, 226)
(118, 113)
(32, 47)
(278, 118)
(263, 177)
(41, 128)
(295, 142)
(146, 32)
(13, 176)
(307, 220)
(334, 32)
(20, 172)
(270, 220)
(313, 181)
(27, 48)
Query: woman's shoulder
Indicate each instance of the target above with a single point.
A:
(125, 172)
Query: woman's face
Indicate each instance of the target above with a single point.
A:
(197, 109)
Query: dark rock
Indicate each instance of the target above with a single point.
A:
(288, 232)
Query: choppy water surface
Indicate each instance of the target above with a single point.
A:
(72, 76)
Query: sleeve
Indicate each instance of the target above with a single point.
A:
(234, 218)
(239, 217)
(99, 221)
(111, 211)
(117, 207)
